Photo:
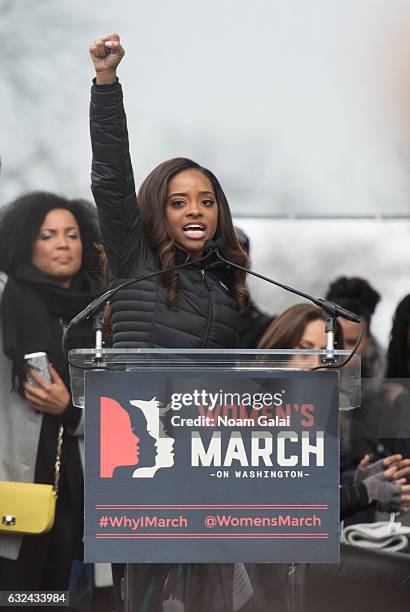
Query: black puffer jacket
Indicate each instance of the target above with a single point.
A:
(206, 315)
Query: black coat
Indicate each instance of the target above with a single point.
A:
(206, 316)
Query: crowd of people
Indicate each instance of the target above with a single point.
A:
(50, 250)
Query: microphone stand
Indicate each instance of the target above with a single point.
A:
(331, 309)
(330, 326)
(94, 308)
(98, 324)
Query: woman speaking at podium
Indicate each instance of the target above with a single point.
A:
(180, 205)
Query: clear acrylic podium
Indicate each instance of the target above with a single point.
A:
(124, 360)
(210, 583)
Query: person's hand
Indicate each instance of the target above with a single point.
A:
(52, 398)
(106, 53)
(393, 467)
(405, 498)
(385, 462)
(398, 472)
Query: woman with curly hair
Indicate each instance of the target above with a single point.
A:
(48, 264)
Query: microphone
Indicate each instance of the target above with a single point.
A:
(96, 305)
(337, 311)
(216, 246)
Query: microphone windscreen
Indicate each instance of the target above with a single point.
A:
(214, 245)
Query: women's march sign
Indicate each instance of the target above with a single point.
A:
(212, 467)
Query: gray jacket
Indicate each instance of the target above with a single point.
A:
(20, 428)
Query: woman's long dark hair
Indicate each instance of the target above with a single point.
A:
(152, 199)
(399, 352)
(20, 222)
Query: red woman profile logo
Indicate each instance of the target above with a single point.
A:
(119, 445)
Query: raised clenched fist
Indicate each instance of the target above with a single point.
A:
(106, 53)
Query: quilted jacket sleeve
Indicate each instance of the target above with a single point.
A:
(353, 498)
(112, 182)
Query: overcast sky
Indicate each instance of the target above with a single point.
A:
(289, 102)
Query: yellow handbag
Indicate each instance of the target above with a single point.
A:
(29, 508)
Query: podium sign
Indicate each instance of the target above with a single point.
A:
(212, 465)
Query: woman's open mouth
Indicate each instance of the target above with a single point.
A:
(196, 231)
